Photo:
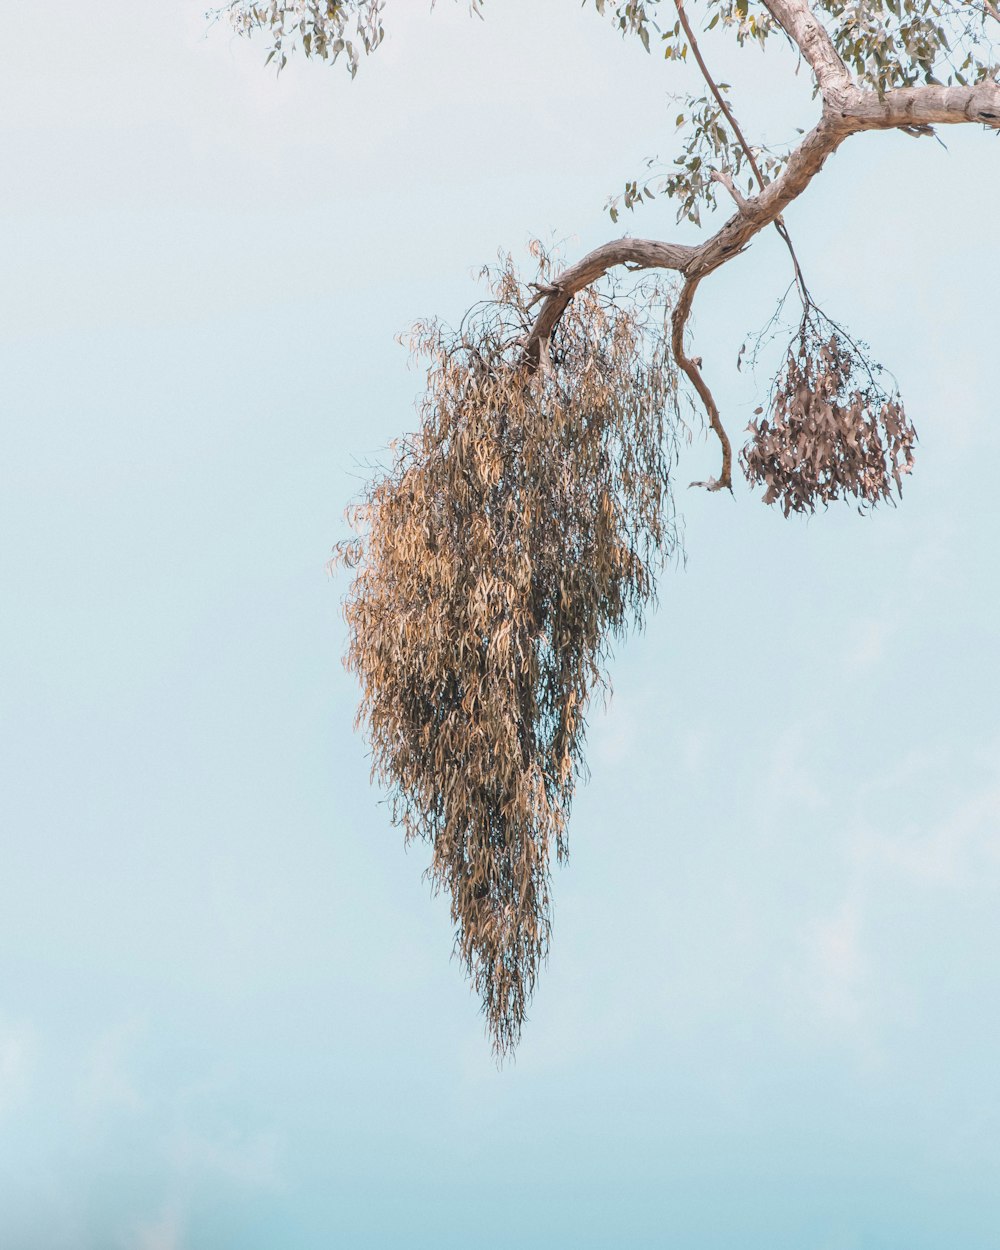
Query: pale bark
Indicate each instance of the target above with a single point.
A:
(805, 30)
(855, 112)
(925, 106)
(847, 110)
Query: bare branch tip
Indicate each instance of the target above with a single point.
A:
(715, 484)
(725, 180)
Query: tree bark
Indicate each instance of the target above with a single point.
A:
(847, 110)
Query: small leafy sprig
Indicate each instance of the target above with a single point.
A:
(709, 145)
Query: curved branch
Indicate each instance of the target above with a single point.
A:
(853, 112)
(695, 263)
(701, 260)
(639, 253)
(681, 313)
(678, 320)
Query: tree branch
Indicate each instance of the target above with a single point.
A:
(720, 99)
(853, 112)
(725, 179)
(678, 320)
(907, 107)
(695, 263)
(863, 110)
(713, 413)
(636, 253)
(810, 36)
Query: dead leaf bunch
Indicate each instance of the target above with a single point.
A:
(513, 538)
(833, 429)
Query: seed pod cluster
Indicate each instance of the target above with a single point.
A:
(513, 538)
(833, 431)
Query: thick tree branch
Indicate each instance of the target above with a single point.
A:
(852, 112)
(906, 107)
(810, 36)
(637, 253)
(862, 110)
(695, 263)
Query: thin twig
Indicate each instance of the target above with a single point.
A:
(779, 225)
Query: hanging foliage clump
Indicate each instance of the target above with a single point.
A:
(833, 430)
(513, 538)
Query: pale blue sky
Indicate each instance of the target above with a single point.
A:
(228, 1017)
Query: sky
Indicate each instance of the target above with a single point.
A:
(229, 1017)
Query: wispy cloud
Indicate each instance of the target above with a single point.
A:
(107, 1082)
(839, 966)
(17, 1056)
(248, 1159)
(959, 849)
(164, 1232)
(789, 779)
(846, 961)
(867, 643)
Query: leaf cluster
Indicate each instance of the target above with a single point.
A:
(514, 537)
(321, 28)
(833, 430)
(885, 43)
(709, 144)
(901, 43)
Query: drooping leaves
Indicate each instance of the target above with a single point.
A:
(833, 430)
(900, 43)
(514, 537)
(325, 29)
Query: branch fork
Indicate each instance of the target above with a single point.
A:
(847, 110)
(725, 179)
